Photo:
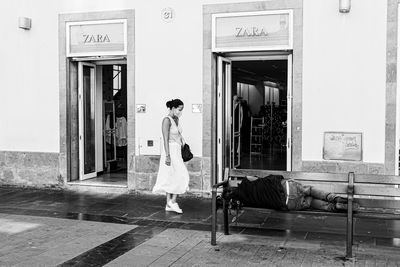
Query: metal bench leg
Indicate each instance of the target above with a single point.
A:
(226, 223)
(350, 221)
(214, 218)
(349, 246)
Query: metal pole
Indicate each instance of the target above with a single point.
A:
(350, 193)
(226, 223)
(214, 217)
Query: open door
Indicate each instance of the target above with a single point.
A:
(87, 120)
(289, 115)
(223, 115)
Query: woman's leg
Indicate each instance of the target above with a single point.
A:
(174, 204)
(168, 197)
(173, 198)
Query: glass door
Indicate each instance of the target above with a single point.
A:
(224, 76)
(289, 115)
(87, 120)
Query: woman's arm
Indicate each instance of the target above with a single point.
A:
(166, 125)
(182, 140)
(180, 135)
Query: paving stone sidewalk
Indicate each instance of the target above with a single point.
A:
(177, 247)
(47, 228)
(38, 241)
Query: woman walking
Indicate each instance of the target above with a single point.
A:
(173, 176)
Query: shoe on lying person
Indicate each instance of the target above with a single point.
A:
(173, 207)
(344, 206)
(333, 198)
(340, 200)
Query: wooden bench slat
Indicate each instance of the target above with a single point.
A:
(377, 179)
(335, 177)
(376, 190)
(374, 215)
(305, 212)
(384, 203)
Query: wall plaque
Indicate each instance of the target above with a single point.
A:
(342, 146)
(250, 31)
(197, 108)
(96, 38)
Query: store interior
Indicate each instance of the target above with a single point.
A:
(115, 134)
(259, 114)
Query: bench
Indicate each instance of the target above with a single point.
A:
(377, 195)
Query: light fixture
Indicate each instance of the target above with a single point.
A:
(344, 6)
(24, 23)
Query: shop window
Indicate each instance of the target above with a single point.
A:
(116, 79)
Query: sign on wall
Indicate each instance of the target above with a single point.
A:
(342, 146)
(96, 38)
(250, 31)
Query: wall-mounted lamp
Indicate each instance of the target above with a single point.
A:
(344, 6)
(24, 23)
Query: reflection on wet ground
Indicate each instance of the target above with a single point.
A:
(148, 210)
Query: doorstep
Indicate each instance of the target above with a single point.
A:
(97, 187)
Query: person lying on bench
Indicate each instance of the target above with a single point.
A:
(275, 192)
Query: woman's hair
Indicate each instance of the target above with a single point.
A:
(174, 103)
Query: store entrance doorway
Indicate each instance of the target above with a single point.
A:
(102, 122)
(254, 112)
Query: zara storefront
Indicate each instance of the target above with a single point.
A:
(96, 96)
(299, 103)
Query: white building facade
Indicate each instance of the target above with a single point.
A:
(81, 62)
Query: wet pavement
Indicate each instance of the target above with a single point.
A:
(280, 236)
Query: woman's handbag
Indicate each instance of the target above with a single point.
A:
(186, 153)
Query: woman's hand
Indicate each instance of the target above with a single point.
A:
(168, 160)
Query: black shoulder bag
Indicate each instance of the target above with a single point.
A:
(186, 153)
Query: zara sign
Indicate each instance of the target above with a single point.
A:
(251, 31)
(96, 38)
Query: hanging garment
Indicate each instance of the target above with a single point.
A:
(237, 117)
(108, 130)
(121, 131)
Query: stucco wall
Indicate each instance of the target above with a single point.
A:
(344, 75)
(29, 74)
(168, 65)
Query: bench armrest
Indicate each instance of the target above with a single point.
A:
(223, 183)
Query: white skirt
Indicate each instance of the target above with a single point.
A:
(173, 179)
